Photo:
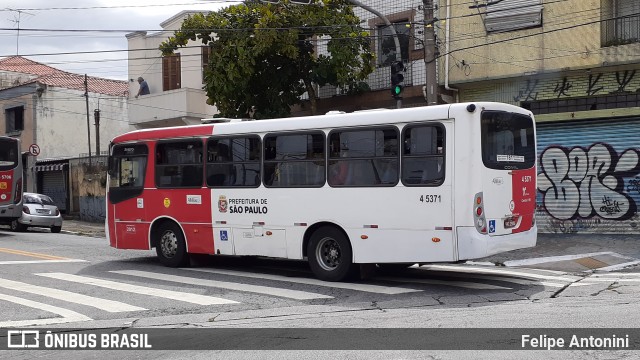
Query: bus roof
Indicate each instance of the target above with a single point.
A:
(329, 120)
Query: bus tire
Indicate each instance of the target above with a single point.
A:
(17, 226)
(170, 246)
(330, 255)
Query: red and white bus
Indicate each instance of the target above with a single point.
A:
(10, 180)
(417, 185)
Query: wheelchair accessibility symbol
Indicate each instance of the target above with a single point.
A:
(492, 226)
(223, 235)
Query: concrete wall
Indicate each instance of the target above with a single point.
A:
(569, 39)
(88, 188)
(61, 122)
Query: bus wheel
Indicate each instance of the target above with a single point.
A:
(16, 226)
(330, 256)
(170, 247)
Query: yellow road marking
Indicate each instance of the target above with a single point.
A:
(32, 254)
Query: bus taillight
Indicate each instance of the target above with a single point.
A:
(18, 197)
(478, 214)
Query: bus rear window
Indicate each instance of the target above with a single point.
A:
(507, 140)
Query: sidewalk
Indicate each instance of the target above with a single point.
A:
(562, 252)
(84, 228)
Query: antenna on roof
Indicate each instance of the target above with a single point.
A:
(16, 20)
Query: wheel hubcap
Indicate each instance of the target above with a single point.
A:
(169, 244)
(328, 254)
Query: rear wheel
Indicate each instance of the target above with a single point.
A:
(170, 246)
(56, 229)
(330, 254)
(17, 226)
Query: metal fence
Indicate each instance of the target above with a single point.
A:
(620, 31)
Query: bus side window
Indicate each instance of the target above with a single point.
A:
(423, 155)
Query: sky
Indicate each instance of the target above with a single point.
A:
(72, 35)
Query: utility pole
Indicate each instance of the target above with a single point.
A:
(86, 98)
(96, 117)
(431, 53)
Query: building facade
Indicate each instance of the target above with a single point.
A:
(175, 82)
(47, 107)
(576, 65)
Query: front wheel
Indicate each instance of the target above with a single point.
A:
(17, 226)
(171, 247)
(330, 254)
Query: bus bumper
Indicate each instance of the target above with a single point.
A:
(473, 245)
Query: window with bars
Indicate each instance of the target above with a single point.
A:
(386, 42)
(620, 22)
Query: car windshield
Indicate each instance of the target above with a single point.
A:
(38, 199)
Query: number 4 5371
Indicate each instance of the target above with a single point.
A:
(430, 198)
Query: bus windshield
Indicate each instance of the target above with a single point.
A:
(507, 140)
(8, 153)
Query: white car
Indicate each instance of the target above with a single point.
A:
(38, 211)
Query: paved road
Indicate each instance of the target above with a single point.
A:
(78, 281)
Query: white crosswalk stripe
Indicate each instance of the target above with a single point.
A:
(522, 273)
(507, 279)
(67, 316)
(292, 294)
(68, 296)
(143, 290)
(462, 284)
(390, 290)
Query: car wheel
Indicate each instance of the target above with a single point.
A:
(17, 226)
(330, 254)
(170, 246)
(56, 229)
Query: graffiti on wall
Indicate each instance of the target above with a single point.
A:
(585, 187)
(612, 83)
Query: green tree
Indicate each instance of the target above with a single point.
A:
(263, 56)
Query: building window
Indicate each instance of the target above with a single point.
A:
(14, 119)
(233, 162)
(509, 15)
(206, 54)
(171, 72)
(411, 47)
(386, 43)
(620, 22)
(179, 164)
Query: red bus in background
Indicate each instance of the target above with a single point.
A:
(10, 180)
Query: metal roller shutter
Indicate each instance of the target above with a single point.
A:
(54, 186)
(589, 177)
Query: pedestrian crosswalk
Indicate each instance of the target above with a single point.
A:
(71, 295)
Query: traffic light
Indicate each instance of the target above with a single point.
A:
(397, 77)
